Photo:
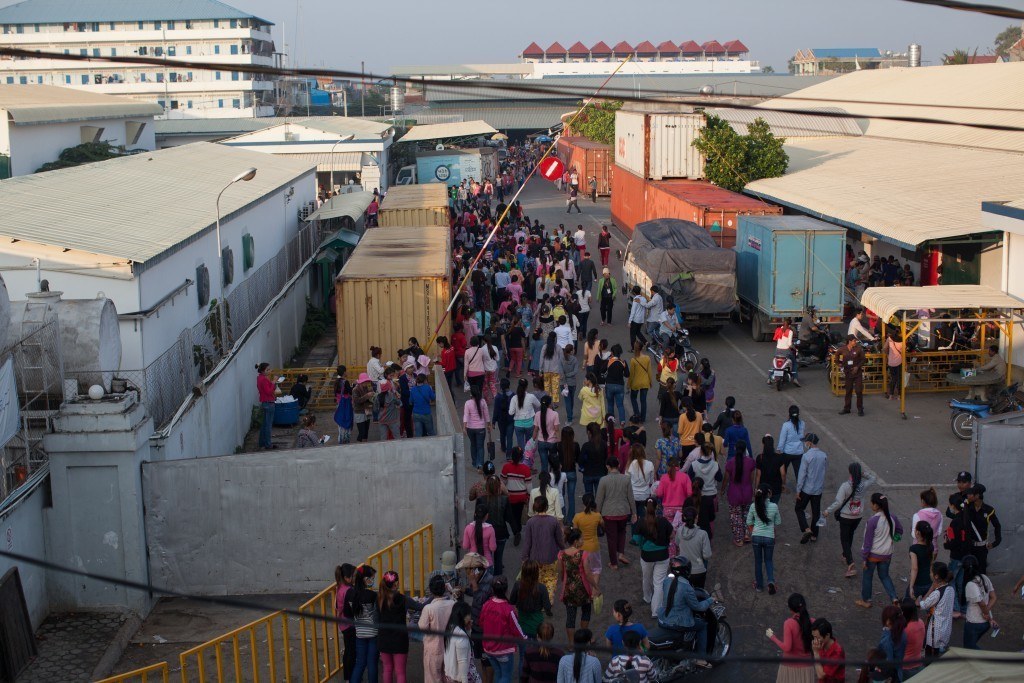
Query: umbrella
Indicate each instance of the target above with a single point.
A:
(543, 138)
(499, 136)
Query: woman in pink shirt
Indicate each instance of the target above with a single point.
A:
(478, 536)
(546, 431)
(795, 644)
(266, 387)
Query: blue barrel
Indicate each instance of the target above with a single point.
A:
(286, 414)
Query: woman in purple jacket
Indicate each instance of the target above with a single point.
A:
(882, 533)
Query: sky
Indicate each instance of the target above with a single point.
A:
(403, 32)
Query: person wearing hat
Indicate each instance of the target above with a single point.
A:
(434, 619)
(363, 395)
(981, 515)
(606, 288)
(964, 481)
(809, 484)
(851, 359)
(455, 583)
(479, 579)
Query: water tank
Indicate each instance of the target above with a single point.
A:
(90, 339)
(397, 98)
(914, 53)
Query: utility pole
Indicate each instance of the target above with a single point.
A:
(362, 89)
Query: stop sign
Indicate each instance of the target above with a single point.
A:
(551, 168)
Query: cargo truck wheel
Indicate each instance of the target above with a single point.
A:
(755, 327)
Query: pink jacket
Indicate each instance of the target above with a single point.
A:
(473, 418)
(674, 493)
(469, 541)
(497, 621)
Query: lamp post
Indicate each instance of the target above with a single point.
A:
(246, 176)
(330, 156)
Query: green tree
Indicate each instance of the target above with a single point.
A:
(86, 153)
(733, 160)
(791, 65)
(768, 69)
(959, 56)
(597, 122)
(1007, 39)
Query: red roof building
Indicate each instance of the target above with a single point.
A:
(533, 50)
(646, 48)
(622, 49)
(600, 49)
(983, 59)
(556, 50)
(736, 47)
(578, 49)
(713, 47)
(668, 48)
(689, 48)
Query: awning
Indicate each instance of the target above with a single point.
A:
(326, 161)
(887, 302)
(974, 666)
(440, 131)
(352, 205)
(343, 239)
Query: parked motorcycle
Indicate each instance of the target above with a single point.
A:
(782, 369)
(815, 350)
(682, 644)
(965, 412)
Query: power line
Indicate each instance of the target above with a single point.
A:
(351, 75)
(993, 10)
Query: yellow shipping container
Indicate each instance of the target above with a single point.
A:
(395, 285)
(410, 206)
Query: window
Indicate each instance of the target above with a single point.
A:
(82, 51)
(173, 76)
(234, 49)
(67, 51)
(161, 103)
(158, 51)
(95, 52)
(172, 51)
(133, 131)
(39, 80)
(20, 29)
(234, 23)
(216, 23)
(216, 75)
(189, 104)
(248, 252)
(188, 49)
(141, 25)
(85, 79)
(158, 25)
(113, 52)
(170, 25)
(10, 80)
(220, 104)
(112, 28)
(67, 79)
(24, 80)
(143, 50)
(234, 75)
(95, 26)
(37, 28)
(216, 49)
(160, 78)
(236, 104)
(142, 77)
(174, 104)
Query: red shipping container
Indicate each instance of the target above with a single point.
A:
(629, 204)
(590, 159)
(713, 208)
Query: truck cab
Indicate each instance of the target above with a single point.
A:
(406, 175)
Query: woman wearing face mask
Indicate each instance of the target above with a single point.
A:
(849, 503)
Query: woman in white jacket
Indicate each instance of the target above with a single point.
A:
(458, 652)
(849, 501)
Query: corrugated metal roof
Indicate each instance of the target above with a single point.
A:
(399, 252)
(352, 205)
(61, 11)
(229, 127)
(846, 52)
(425, 196)
(887, 302)
(790, 125)
(29, 104)
(345, 125)
(982, 85)
(903, 192)
(437, 131)
(141, 206)
(325, 161)
(512, 118)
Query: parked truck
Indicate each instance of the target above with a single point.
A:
(450, 166)
(787, 264)
(684, 261)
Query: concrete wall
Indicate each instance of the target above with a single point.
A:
(21, 531)
(1013, 284)
(281, 521)
(448, 421)
(998, 455)
(34, 145)
(992, 265)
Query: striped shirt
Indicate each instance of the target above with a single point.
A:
(632, 668)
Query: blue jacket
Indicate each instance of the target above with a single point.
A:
(893, 652)
(684, 604)
(791, 438)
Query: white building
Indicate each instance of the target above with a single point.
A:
(356, 150)
(196, 30)
(141, 230)
(38, 122)
(1008, 218)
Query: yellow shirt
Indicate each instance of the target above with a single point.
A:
(640, 372)
(591, 406)
(687, 430)
(587, 524)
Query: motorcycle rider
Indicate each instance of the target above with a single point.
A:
(810, 334)
(784, 346)
(681, 603)
(859, 329)
(668, 325)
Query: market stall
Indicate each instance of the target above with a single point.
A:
(922, 312)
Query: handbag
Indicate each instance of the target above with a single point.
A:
(840, 508)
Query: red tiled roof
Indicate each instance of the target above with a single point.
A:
(646, 48)
(667, 46)
(713, 47)
(982, 59)
(555, 49)
(533, 50)
(600, 48)
(689, 47)
(578, 48)
(735, 47)
(622, 48)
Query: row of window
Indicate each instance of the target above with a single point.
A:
(220, 103)
(158, 25)
(160, 50)
(134, 77)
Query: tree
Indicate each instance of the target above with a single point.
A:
(733, 160)
(85, 153)
(768, 69)
(791, 65)
(597, 122)
(959, 56)
(1007, 39)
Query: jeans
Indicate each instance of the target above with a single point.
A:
(476, 446)
(590, 485)
(523, 435)
(847, 527)
(641, 512)
(973, 633)
(584, 318)
(653, 578)
(569, 402)
(636, 333)
(502, 665)
(544, 451)
(268, 424)
(505, 436)
(570, 495)
(801, 505)
(764, 551)
(366, 660)
(956, 571)
(615, 394)
(615, 530)
(499, 553)
(883, 577)
(638, 397)
(424, 424)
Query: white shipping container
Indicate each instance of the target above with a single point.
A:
(659, 146)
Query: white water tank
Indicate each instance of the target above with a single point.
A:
(914, 55)
(397, 98)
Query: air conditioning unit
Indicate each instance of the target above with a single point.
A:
(291, 137)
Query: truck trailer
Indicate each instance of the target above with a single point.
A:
(450, 166)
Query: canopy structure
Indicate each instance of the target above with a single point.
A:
(914, 309)
(440, 131)
(975, 666)
(352, 205)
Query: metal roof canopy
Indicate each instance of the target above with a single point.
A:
(401, 252)
(438, 131)
(352, 205)
(34, 104)
(64, 11)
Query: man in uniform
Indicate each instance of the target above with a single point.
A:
(979, 516)
(851, 358)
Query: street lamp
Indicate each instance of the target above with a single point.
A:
(243, 176)
(330, 156)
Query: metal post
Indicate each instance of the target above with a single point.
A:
(221, 320)
(903, 366)
(362, 89)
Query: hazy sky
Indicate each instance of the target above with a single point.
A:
(384, 34)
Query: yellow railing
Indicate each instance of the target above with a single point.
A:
(147, 674)
(415, 559)
(926, 371)
(257, 651)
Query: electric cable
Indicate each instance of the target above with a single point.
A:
(993, 10)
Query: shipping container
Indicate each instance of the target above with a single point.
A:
(591, 159)
(658, 146)
(786, 264)
(395, 285)
(713, 208)
(409, 206)
(629, 205)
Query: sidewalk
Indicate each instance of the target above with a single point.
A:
(72, 646)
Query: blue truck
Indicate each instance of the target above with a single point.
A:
(786, 264)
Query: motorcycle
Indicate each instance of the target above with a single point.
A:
(682, 644)
(965, 412)
(679, 342)
(782, 369)
(815, 351)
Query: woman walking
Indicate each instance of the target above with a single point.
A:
(615, 375)
(522, 408)
(655, 536)
(705, 469)
(740, 473)
(458, 650)
(551, 366)
(492, 361)
(577, 589)
(550, 493)
(708, 380)
(499, 514)
(515, 343)
(393, 642)
(939, 603)
(569, 457)
(542, 539)
(389, 404)
(265, 387)
(762, 519)
(893, 641)
(771, 468)
(580, 666)
(588, 522)
(980, 597)
(795, 644)
(570, 368)
(921, 554)
(690, 422)
(361, 608)
(476, 418)
(476, 354)
(616, 504)
(893, 366)
(478, 536)
(592, 459)
(849, 503)
(736, 433)
(641, 478)
(546, 432)
(604, 245)
(517, 478)
(591, 402)
(540, 661)
(791, 442)
(880, 535)
(500, 629)
(695, 545)
(639, 381)
(530, 598)
(344, 575)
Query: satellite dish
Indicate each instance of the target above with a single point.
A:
(707, 90)
(439, 147)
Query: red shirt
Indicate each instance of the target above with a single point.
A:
(265, 387)
(459, 344)
(448, 359)
(834, 673)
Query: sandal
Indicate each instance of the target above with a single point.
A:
(623, 560)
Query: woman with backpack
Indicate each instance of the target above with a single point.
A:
(882, 532)
(577, 587)
(740, 473)
(938, 603)
(848, 509)
(616, 373)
